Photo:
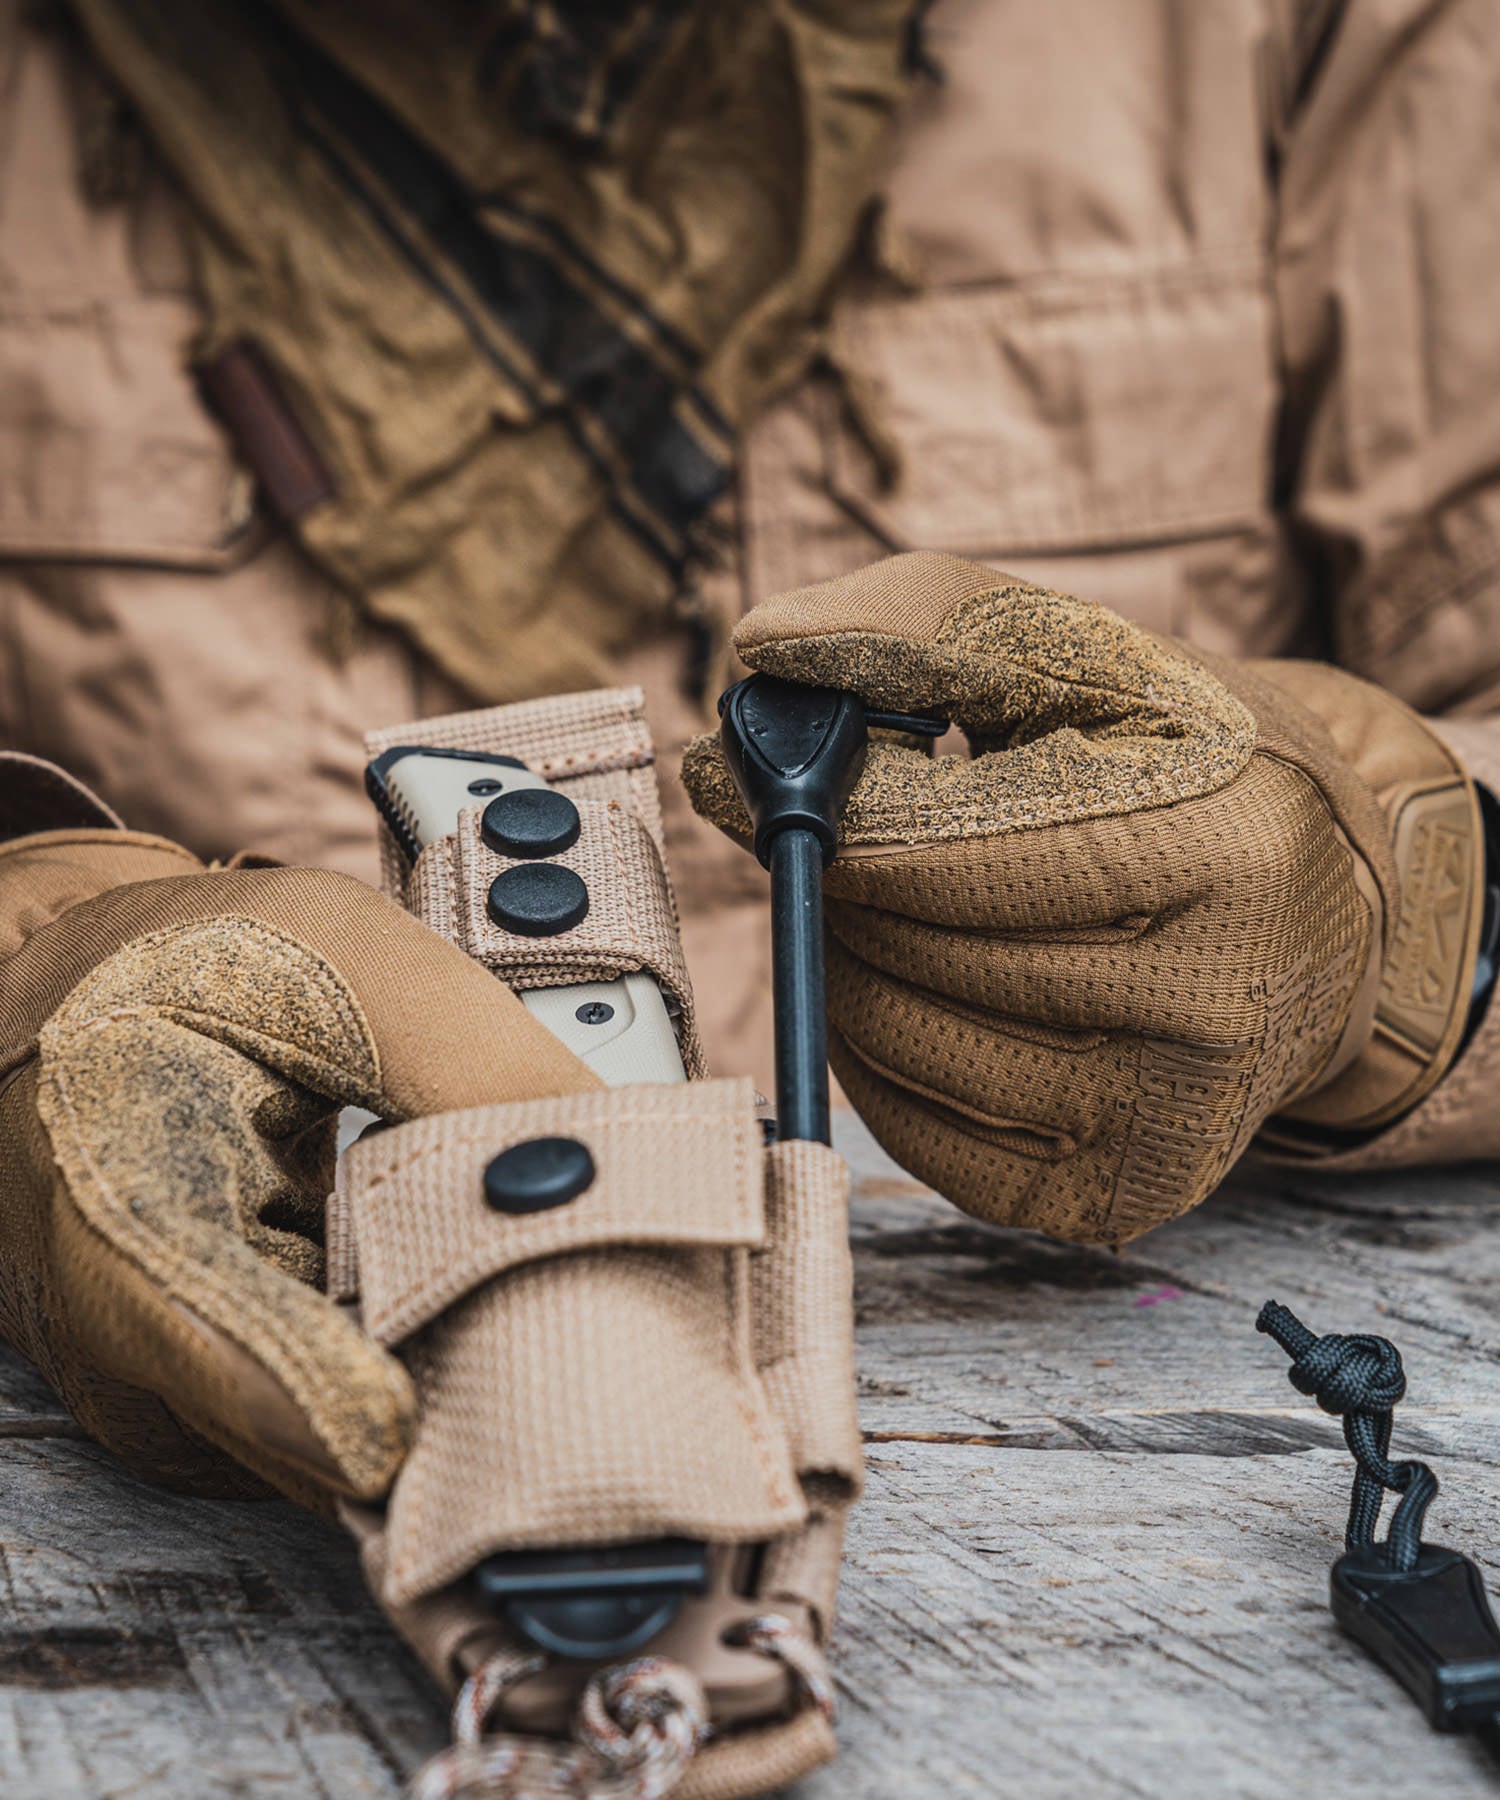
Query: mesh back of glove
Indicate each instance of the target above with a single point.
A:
(1167, 897)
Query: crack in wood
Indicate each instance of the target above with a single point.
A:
(1023, 1259)
(1199, 1432)
(65, 1657)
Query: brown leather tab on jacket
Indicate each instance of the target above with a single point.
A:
(241, 387)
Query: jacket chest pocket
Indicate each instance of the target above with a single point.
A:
(1061, 414)
(1108, 434)
(106, 451)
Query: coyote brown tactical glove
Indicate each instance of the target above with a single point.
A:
(1166, 899)
(175, 1045)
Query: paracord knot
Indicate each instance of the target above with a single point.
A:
(638, 1727)
(1351, 1374)
(649, 1708)
(1360, 1379)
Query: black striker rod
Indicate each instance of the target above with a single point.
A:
(798, 986)
(795, 752)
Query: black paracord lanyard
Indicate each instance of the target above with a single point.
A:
(1419, 1609)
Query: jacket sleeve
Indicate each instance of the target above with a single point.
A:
(1385, 258)
(1389, 451)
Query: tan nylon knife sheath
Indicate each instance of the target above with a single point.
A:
(593, 746)
(596, 749)
(668, 1354)
(636, 1302)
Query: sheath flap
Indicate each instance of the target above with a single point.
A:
(675, 1165)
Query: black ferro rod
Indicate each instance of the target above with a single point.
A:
(797, 984)
(795, 753)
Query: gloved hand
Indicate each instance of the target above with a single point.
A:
(1167, 898)
(658, 1350)
(175, 1044)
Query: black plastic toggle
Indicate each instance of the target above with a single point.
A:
(593, 1603)
(795, 753)
(530, 822)
(538, 1175)
(1431, 1627)
(538, 899)
(1419, 1609)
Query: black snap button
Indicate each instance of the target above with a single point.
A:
(536, 1175)
(538, 899)
(530, 822)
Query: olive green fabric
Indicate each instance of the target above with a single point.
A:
(518, 274)
(175, 1044)
(1071, 975)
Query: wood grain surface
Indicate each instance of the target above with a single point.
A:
(1092, 1561)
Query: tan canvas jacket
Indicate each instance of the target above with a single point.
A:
(1187, 309)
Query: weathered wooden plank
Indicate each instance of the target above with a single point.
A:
(965, 1329)
(1071, 1626)
(155, 1645)
(1143, 1614)
(1097, 1625)
(28, 1407)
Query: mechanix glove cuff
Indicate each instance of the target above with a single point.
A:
(1165, 898)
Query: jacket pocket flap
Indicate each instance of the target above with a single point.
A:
(1060, 415)
(106, 451)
